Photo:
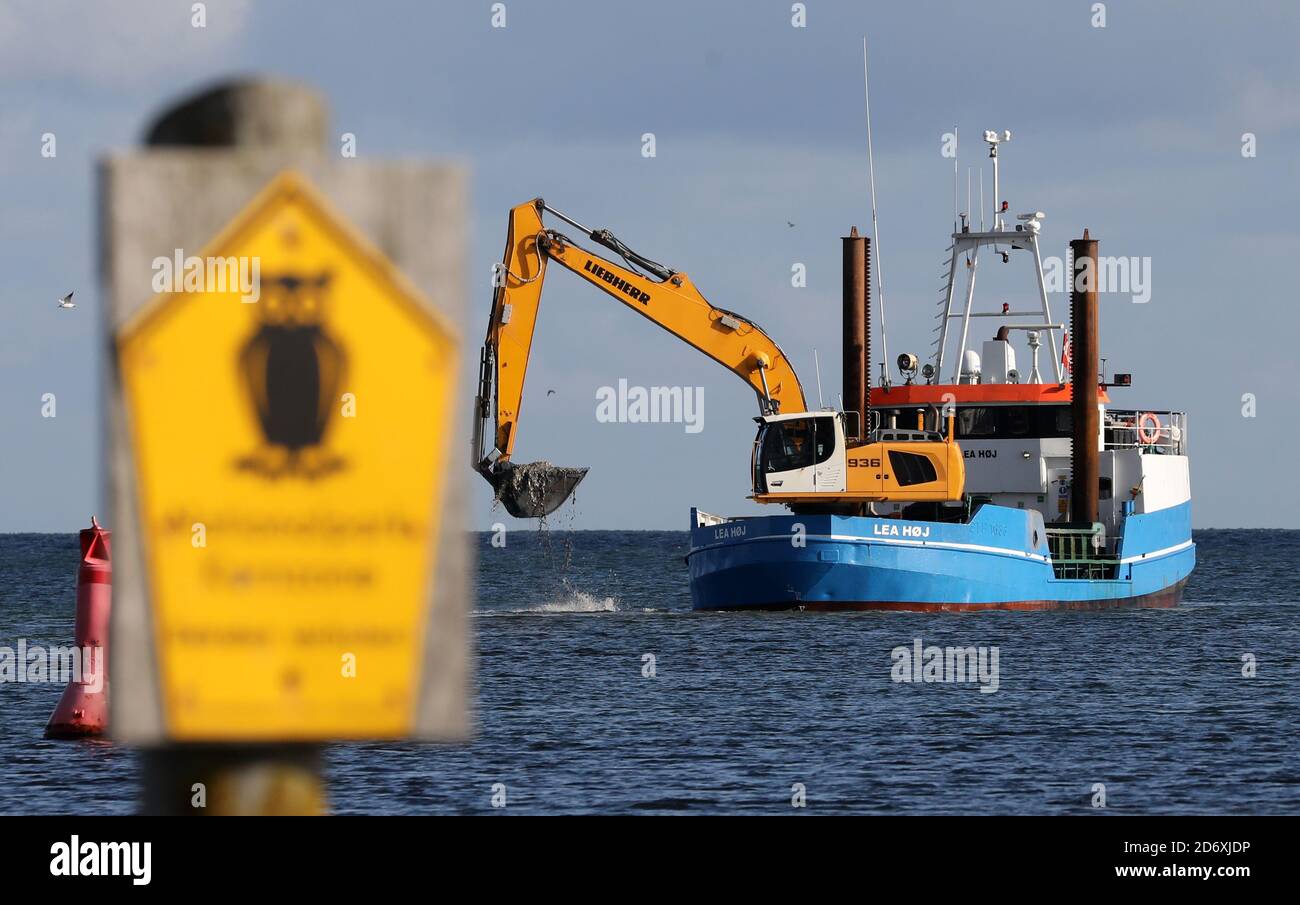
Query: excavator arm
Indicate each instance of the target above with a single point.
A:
(665, 296)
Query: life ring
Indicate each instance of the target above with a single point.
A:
(1146, 436)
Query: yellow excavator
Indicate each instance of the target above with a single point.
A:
(809, 461)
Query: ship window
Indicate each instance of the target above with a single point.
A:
(998, 421)
(1018, 421)
(911, 468)
(1063, 422)
(977, 421)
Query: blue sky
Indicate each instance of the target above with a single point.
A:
(1133, 130)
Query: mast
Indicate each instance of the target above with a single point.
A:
(966, 244)
(875, 226)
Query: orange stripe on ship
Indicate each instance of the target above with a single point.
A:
(937, 394)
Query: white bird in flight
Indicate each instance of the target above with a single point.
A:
(66, 301)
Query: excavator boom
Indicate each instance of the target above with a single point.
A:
(666, 297)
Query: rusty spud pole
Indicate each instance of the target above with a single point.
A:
(856, 326)
(1085, 457)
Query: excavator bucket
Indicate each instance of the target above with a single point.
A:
(535, 489)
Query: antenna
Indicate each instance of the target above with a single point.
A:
(972, 219)
(981, 199)
(954, 178)
(817, 366)
(875, 227)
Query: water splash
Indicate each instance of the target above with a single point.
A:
(557, 548)
(575, 601)
(570, 600)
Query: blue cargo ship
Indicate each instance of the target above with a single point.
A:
(1067, 504)
(1003, 558)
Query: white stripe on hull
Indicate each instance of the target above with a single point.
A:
(944, 545)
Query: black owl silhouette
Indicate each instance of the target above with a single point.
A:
(292, 370)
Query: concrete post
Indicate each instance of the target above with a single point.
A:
(205, 158)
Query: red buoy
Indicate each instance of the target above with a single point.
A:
(83, 709)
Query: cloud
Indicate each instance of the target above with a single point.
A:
(114, 42)
(19, 136)
(1266, 106)
(1256, 103)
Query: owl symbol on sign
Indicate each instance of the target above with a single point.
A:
(292, 369)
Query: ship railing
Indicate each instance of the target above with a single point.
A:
(702, 519)
(1083, 553)
(1150, 431)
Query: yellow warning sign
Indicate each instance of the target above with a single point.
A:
(289, 399)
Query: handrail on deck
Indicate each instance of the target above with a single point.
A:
(1161, 432)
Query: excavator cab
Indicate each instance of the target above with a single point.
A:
(797, 452)
(810, 463)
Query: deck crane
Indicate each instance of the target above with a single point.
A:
(809, 461)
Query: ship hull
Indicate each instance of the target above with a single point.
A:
(998, 561)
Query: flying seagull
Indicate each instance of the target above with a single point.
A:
(550, 392)
(789, 224)
(66, 301)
